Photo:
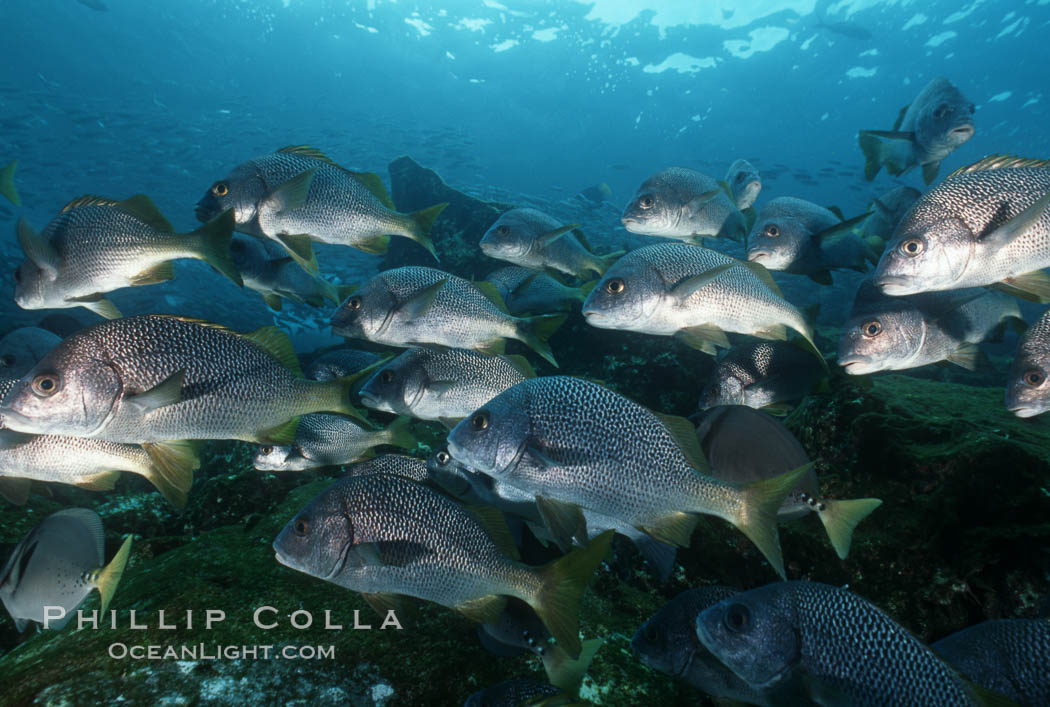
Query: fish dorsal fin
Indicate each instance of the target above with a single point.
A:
(89, 200)
(374, 183)
(521, 365)
(142, 207)
(684, 433)
(492, 294)
(308, 151)
(38, 249)
(837, 211)
(763, 274)
(495, 526)
(582, 239)
(900, 118)
(840, 229)
(1000, 162)
(276, 343)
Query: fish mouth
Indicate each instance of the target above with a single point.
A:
(894, 286)
(1025, 411)
(856, 365)
(204, 213)
(964, 131)
(757, 255)
(368, 400)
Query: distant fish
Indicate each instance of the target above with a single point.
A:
(850, 30)
(532, 239)
(276, 276)
(94, 5)
(939, 120)
(595, 194)
(526, 291)
(682, 203)
(324, 440)
(762, 374)
(7, 183)
(58, 564)
(744, 183)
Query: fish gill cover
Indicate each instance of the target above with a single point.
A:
(202, 199)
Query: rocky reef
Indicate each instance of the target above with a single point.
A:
(961, 537)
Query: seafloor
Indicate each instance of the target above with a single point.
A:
(961, 538)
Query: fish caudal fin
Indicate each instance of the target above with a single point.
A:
(604, 262)
(564, 672)
(399, 434)
(343, 404)
(423, 221)
(534, 332)
(213, 243)
(173, 464)
(841, 517)
(757, 518)
(871, 146)
(328, 291)
(7, 183)
(558, 601)
(107, 579)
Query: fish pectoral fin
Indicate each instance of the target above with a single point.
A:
(162, 272)
(276, 343)
(273, 301)
(167, 392)
(705, 337)
(99, 482)
(484, 610)
(450, 422)
(821, 277)
(15, 490)
(421, 302)
(564, 521)
(384, 602)
(495, 526)
(440, 388)
(1017, 226)
(97, 304)
(142, 208)
(282, 434)
(300, 247)
(929, 171)
(1033, 286)
(545, 239)
(966, 355)
(292, 194)
(697, 203)
(38, 249)
(684, 433)
(690, 285)
(675, 528)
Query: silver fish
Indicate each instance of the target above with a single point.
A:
(330, 440)
(744, 183)
(682, 203)
(1027, 389)
(763, 374)
(276, 276)
(887, 211)
(528, 292)
(532, 239)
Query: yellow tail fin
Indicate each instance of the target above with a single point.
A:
(107, 579)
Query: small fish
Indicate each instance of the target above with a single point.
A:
(681, 203)
(534, 240)
(276, 276)
(7, 183)
(1010, 657)
(1027, 389)
(798, 236)
(762, 374)
(744, 183)
(694, 293)
(667, 643)
(729, 437)
(850, 30)
(985, 224)
(178, 379)
(574, 444)
(97, 245)
(383, 535)
(22, 348)
(442, 384)
(812, 641)
(298, 195)
(414, 305)
(595, 194)
(330, 440)
(525, 291)
(937, 122)
(887, 211)
(411, 468)
(96, 464)
(339, 363)
(58, 564)
(887, 333)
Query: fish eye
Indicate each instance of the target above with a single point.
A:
(772, 231)
(646, 202)
(480, 420)
(220, 189)
(266, 450)
(872, 328)
(740, 177)
(387, 376)
(442, 457)
(912, 247)
(354, 303)
(46, 384)
(7, 360)
(301, 527)
(1034, 378)
(738, 617)
(502, 230)
(614, 286)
